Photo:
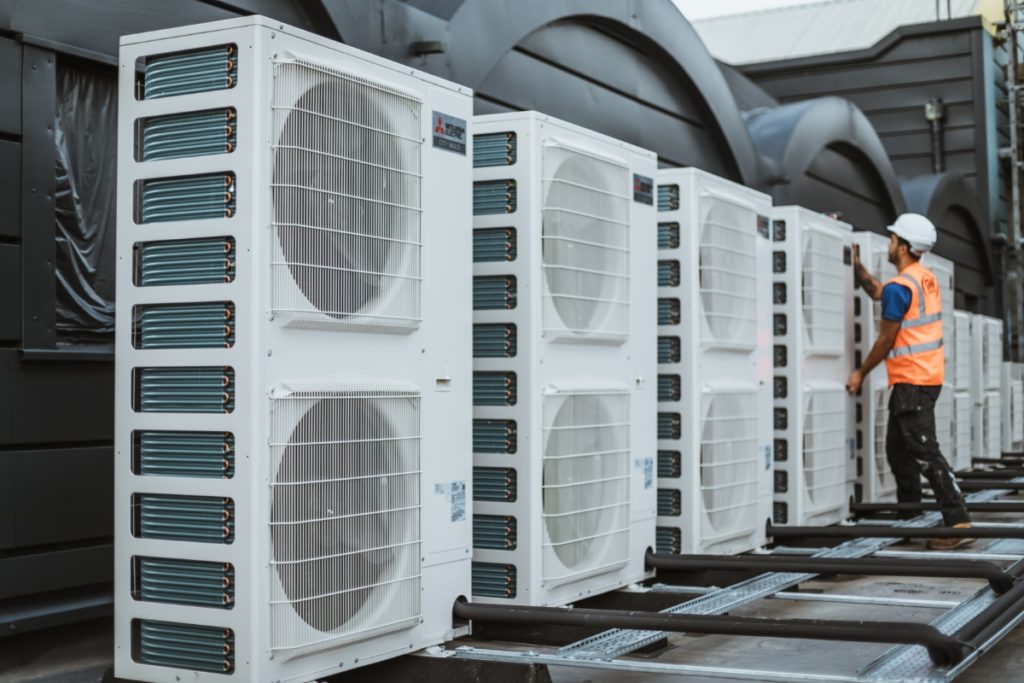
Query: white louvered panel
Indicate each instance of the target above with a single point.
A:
(992, 358)
(345, 516)
(347, 200)
(1016, 408)
(945, 424)
(884, 271)
(992, 425)
(585, 243)
(963, 407)
(729, 465)
(585, 484)
(962, 350)
(728, 273)
(822, 289)
(824, 450)
(886, 482)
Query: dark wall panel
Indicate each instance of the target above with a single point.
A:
(54, 402)
(10, 86)
(10, 187)
(56, 496)
(10, 292)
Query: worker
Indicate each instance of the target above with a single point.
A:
(910, 343)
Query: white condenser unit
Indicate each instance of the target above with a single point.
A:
(564, 374)
(1012, 400)
(963, 400)
(986, 378)
(945, 412)
(714, 364)
(875, 481)
(293, 368)
(815, 458)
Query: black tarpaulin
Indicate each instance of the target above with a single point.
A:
(85, 134)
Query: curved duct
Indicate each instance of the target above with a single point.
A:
(952, 204)
(825, 155)
(632, 69)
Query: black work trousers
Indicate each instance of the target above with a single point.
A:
(912, 449)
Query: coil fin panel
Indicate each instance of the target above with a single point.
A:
(185, 390)
(185, 262)
(185, 326)
(494, 580)
(184, 454)
(494, 149)
(199, 519)
(185, 198)
(494, 532)
(190, 72)
(494, 292)
(494, 340)
(494, 436)
(494, 388)
(494, 244)
(185, 646)
(184, 582)
(497, 484)
(494, 197)
(197, 133)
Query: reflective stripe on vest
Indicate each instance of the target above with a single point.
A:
(917, 354)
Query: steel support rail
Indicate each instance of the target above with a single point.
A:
(838, 598)
(943, 649)
(999, 580)
(994, 506)
(894, 532)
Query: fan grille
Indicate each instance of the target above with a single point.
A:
(728, 271)
(347, 200)
(1016, 407)
(345, 516)
(824, 440)
(585, 240)
(585, 483)
(993, 353)
(730, 465)
(822, 291)
(945, 428)
(963, 407)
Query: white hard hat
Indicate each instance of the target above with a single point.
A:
(915, 229)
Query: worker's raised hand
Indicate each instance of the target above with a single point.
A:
(853, 383)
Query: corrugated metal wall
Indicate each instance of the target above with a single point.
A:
(891, 82)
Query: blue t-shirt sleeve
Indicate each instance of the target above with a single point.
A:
(895, 301)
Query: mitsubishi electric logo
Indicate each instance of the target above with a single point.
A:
(449, 133)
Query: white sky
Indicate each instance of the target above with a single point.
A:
(702, 9)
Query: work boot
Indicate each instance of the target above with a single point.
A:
(951, 543)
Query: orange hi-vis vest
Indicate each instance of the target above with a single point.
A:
(917, 357)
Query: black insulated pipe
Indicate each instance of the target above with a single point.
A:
(1008, 473)
(985, 485)
(943, 650)
(867, 531)
(999, 580)
(1005, 460)
(990, 506)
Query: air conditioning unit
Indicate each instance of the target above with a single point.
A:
(986, 377)
(1012, 400)
(293, 367)
(815, 456)
(564, 384)
(963, 401)
(714, 364)
(875, 481)
(942, 269)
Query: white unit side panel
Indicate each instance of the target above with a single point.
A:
(963, 351)
(943, 270)
(1012, 399)
(585, 380)
(714, 447)
(292, 386)
(875, 481)
(963, 421)
(945, 422)
(815, 450)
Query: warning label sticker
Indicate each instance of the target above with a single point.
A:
(455, 495)
(643, 189)
(646, 467)
(449, 133)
